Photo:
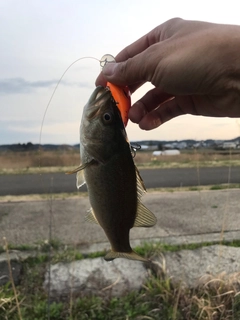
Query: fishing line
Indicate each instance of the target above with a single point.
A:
(55, 89)
(50, 236)
(103, 61)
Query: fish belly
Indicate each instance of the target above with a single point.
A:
(112, 192)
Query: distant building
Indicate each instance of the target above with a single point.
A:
(173, 152)
(229, 145)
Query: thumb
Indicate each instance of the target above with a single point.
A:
(134, 70)
(116, 73)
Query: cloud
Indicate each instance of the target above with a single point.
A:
(20, 85)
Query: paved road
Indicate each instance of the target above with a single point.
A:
(153, 178)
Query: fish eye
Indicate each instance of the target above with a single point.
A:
(107, 117)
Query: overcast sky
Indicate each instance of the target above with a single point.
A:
(40, 39)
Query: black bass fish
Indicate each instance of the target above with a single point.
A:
(114, 184)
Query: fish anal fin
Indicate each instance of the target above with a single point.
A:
(111, 255)
(90, 217)
(144, 217)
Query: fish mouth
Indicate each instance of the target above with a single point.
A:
(98, 94)
(98, 99)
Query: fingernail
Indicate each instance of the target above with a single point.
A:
(156, 123)
(150, 123)
(109, 69)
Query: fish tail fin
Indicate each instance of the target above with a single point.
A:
(127, 255)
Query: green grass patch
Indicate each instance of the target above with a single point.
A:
(58, 252)
(225, 186)
(160, 298)
(149, 249)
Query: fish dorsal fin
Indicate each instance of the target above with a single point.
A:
(141, 189)
(145, 217)
(91, 216)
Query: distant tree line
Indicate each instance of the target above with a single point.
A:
(19, 147)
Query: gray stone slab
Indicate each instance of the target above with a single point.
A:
(95, 276)
(193, 267)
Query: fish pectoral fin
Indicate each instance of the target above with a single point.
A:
(91, 216)
(144, 217)
(126, 255)
(80, 180)
(82, 167)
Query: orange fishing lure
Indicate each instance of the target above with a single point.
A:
(121, 94)
(122, 97)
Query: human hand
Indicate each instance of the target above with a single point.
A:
(194, 66)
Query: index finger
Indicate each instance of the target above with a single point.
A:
(160, 33)
(139, 45)
(133, 49)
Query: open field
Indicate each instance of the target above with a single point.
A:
(62, 161)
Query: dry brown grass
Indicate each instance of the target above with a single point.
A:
(189, 158)
(29, 159)
(214, 298)
(217, 297)
(25, 160)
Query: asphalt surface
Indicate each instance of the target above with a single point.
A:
(23, 184)
(182, 217)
